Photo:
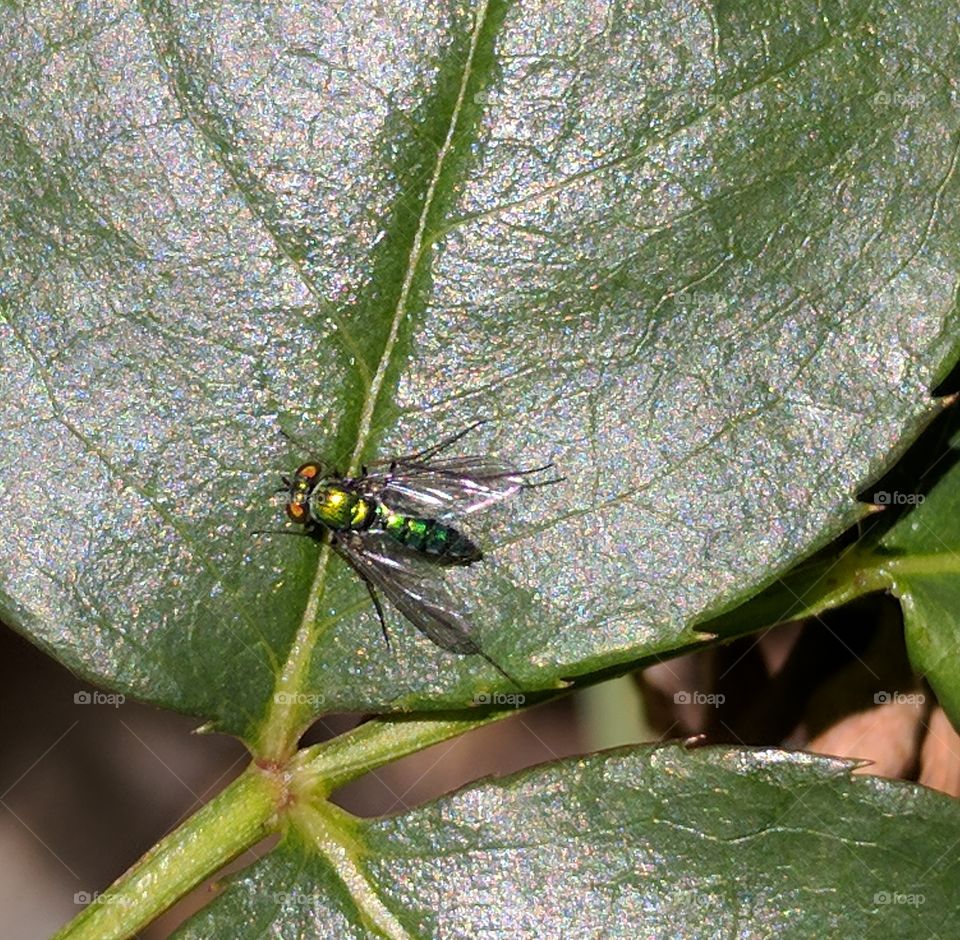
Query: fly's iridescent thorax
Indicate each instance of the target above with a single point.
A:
(313, 498)
(338, 507)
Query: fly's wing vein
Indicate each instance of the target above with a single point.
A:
(413, 587)
(460, 484)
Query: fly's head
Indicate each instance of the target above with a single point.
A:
(299, 490)
(315, 497)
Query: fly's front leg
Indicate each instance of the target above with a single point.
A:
(305, 535)
(428, 452)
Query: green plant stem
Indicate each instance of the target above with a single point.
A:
(254, 805)
(330, 832)
(237, 818)
(323, 768)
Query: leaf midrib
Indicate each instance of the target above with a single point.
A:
(281, 727)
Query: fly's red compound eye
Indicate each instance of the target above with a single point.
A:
(297, 511)
(303, 483)
(308, 471)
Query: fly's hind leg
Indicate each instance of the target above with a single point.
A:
(376, 604)
(503, 672)
(370, 590)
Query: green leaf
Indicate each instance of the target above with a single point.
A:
(919, 558)
(703, 259)
(912, 550)
(652, 842)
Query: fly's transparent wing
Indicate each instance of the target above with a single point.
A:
(425, 482)
(452, 485)
(412, 585)
(415, 588)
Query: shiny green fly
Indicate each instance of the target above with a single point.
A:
(390, 525)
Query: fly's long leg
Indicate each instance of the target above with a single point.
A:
(369, 585)
(503, 672)
(539, 483)
(435, 449)
(305, 535)
(379, 609)
(305, 446)
(376, 603)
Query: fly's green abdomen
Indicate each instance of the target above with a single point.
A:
(428, 536)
